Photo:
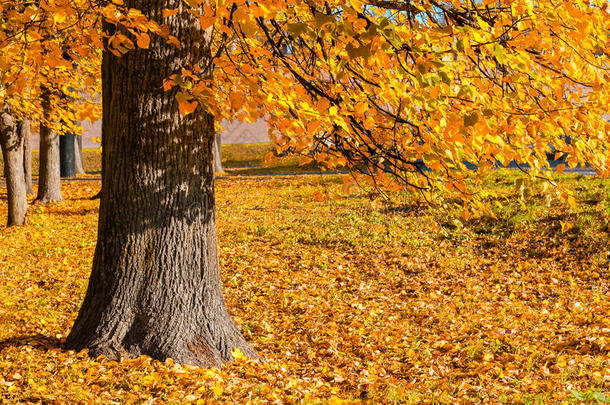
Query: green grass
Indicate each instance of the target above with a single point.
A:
(245, 154)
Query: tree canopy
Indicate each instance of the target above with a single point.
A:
(413, 93)
(51, 46)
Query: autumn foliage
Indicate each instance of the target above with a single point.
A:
(390, 89)
(345, 296)
(50, 46)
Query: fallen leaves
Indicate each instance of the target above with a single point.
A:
(346, 299)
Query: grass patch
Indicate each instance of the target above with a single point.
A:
(238, 159)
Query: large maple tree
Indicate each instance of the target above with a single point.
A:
(425, 94)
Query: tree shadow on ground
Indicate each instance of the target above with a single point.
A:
(277, 170)
(75, 212)
(36, 340)
(416, 209)
(551, 232)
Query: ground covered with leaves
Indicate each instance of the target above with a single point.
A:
(346, 297)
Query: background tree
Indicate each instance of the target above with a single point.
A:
(67, 155)
(49, 174)
(218, 154)
(78, 155)
(12, 150)
(33, 68)
(25, 129)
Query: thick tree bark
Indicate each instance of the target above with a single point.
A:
(49, 180)
(12, 150)
(218, 155)
(155, 286)
(78, 154)
(24, 128)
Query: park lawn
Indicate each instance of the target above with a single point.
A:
(345, 296)
(241, 158)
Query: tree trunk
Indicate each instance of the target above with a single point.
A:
(12, 150)
(78, 154)
(49, 180)
(67, 154)
(98, 195)
(218, 155)
(155, 285)
(24, 128)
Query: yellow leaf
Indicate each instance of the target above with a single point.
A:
(237, 354)
(143, 41)
(187, 107)
(566, 226)
(237, 100)
(319, 197)
(168, 13)
(560, 168)
(217, 389)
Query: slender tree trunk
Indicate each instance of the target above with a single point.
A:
(67, 155)
(12, 150)
(24, 128)
(155, 285)
(78, 154)
(218, 155)
(49, 180)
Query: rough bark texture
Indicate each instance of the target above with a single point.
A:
(155, 285)
(12, 150)
(78, 154)
(218, 155)
(49, 180)
(24, 128)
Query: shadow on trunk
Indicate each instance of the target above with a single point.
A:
(155, 284)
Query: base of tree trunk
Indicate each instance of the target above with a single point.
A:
(152, 337)
(155, 289)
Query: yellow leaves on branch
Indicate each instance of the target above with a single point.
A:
(415, 90)
(49, 44)
(437, 89)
